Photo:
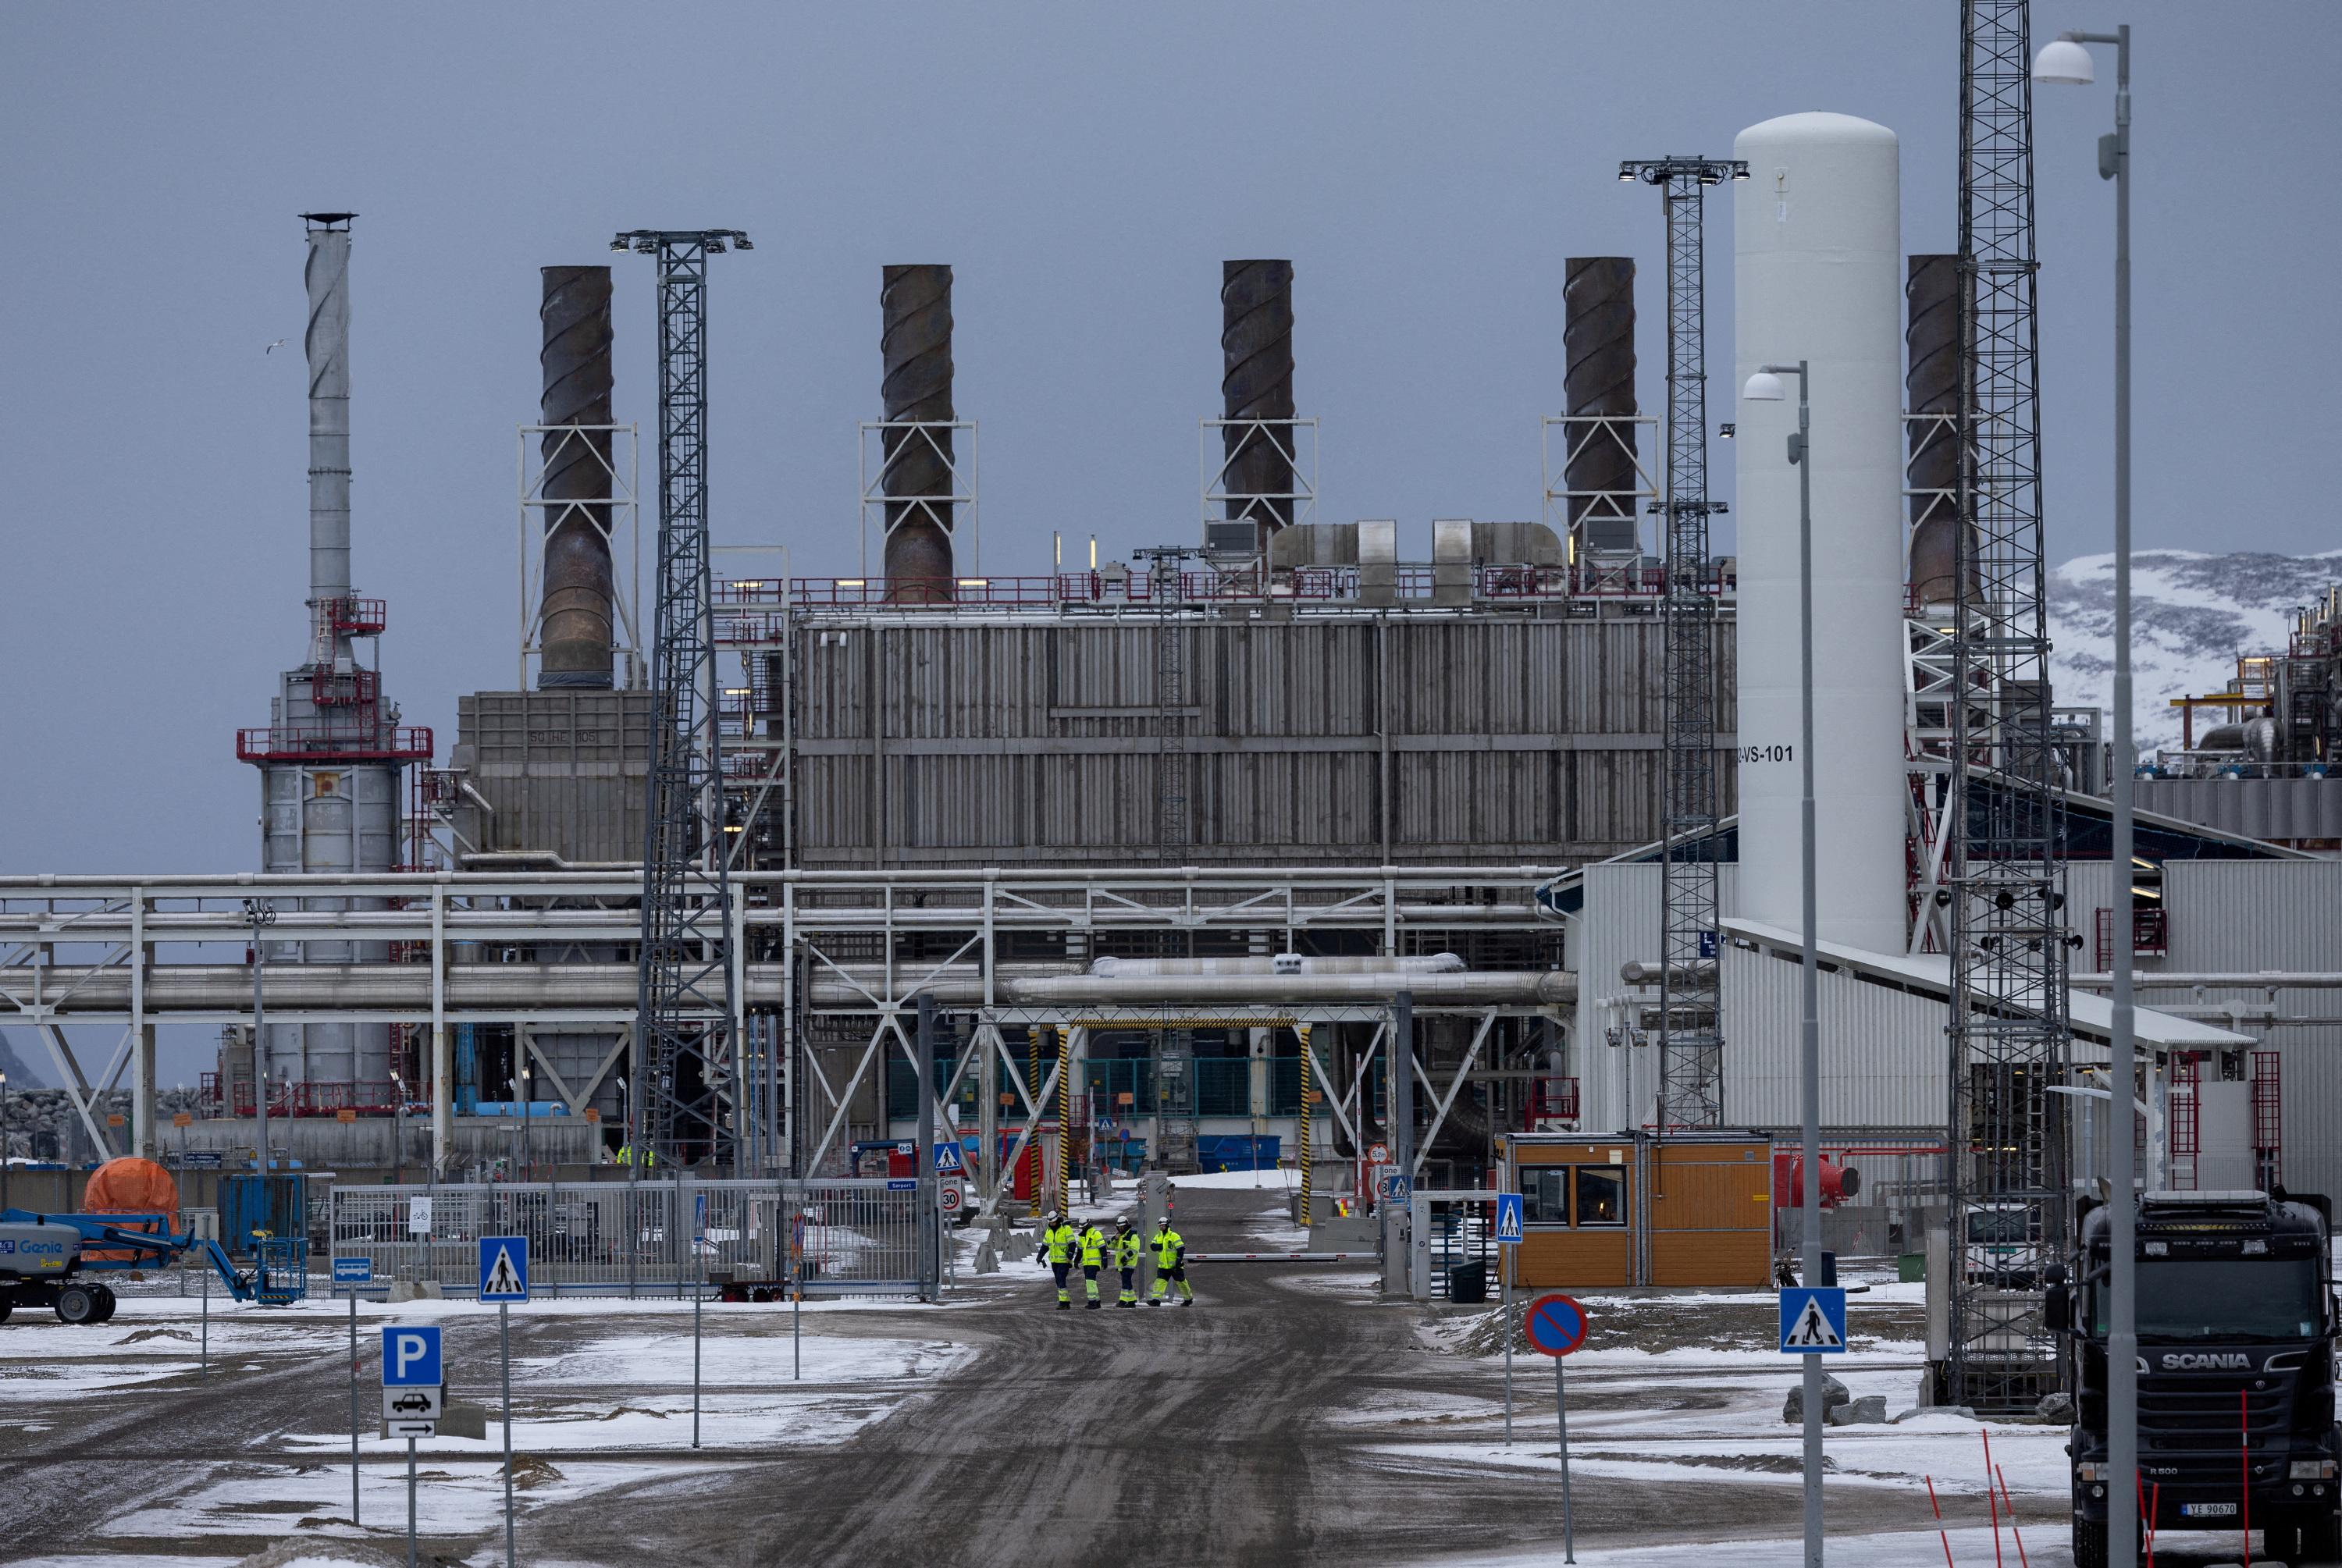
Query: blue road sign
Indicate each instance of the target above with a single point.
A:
(699, 1216)
(410, 1357)
(503, 1268)
(1397, 1188)
(354, 1270)
(902, 1185)
(1508, 1219)
(1556, 1325)
(948, 1160)
(1813, 1321)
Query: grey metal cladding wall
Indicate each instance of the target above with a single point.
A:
(2239, 916)
(563, 768)
(1002, 739)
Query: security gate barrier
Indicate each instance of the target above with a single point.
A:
(646, 1237)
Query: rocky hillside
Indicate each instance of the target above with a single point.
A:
(2191, 616)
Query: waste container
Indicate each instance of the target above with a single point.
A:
(1468, 1283)
(1910, 1268)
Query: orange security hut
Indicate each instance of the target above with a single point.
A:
(1630, 1209)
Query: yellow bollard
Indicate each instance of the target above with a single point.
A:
(1065, 1118)
(1033, 1116)
(1303, 1030)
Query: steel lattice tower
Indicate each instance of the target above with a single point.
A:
(2009, 1030)
(1691, 1037)
(685, 1086)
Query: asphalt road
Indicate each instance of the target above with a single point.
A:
(1251, 1428)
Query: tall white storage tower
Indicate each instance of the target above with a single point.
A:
(1819, 273)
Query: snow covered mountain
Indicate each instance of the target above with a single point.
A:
(2191, 616)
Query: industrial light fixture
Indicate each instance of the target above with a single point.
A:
(1726, 431)
(1740, 171)
(2066, 62)
(618, 244)
(1764, 387)
(1626, 173)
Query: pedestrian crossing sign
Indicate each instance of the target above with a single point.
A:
(504, 1269)
(1813, 1321)
(1508, 1219)
(948, 1160)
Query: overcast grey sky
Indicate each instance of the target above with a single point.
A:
(1085, 168)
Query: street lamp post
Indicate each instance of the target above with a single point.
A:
(527, 1167)
(2068, 62)
(259, 916)
(7, 1146)
(1765, 386)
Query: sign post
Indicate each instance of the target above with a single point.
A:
(698, 1252)
(1557, 1326)
(414, 1383)
(1508, 1241)
(354, 1272)
(503, 1280)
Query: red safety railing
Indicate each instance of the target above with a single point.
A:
(354, 617)
(2269, 1118)
(1553, 1100)
(311, 742)
(305, 1099)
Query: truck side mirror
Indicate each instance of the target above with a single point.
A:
(2056, 1307)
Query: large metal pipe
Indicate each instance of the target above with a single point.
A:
(1599, 380)
(326, 343)
(1283, 964)
(1931, 386)
(294, 988)
(1256, 384)
(1483, 988)
(574, 635)
(916, 342)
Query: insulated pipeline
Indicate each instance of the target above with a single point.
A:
(1256, 384)
(916, 342)
(1599, 345)
(576, 634)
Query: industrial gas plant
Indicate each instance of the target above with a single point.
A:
(1454, 847)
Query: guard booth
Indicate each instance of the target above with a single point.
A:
(1630, 1209)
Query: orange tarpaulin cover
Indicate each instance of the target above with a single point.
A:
(130, 1186)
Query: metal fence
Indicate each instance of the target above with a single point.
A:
(646, 1237)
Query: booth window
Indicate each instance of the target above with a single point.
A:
(1545, 1195)
(1601, 1196)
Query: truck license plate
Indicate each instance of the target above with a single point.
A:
(2208, 1510)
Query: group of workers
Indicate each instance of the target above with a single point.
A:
(1066, 1247)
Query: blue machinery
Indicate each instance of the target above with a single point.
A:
(278, 1277)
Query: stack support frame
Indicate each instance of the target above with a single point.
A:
(2010, 1033)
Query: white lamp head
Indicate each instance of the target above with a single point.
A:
(1764, 387)
(2065, 61)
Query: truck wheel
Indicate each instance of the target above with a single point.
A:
(8, 1305)
(2322, 1541)
(2089, 1543)
(106, 1304)
(77, 1304)
(2281, 1541)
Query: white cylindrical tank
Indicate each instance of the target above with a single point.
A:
(1818, 276)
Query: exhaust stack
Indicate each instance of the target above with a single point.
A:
(1931, 385)
(326, 343)
(1598, 342)
(574, 634)
(1256, 383)
(916, 342)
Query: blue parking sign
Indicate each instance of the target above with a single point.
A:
(1508, 1219)
(410, 1357)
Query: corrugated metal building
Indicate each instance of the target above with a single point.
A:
(1342, 737)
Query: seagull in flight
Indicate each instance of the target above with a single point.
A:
(273, 347)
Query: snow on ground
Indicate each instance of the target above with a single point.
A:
(1279, 1181)
(2044, 1548)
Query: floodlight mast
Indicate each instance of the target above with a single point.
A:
(1691, 1037)
(686, 1103)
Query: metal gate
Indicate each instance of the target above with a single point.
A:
(643, 1237)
